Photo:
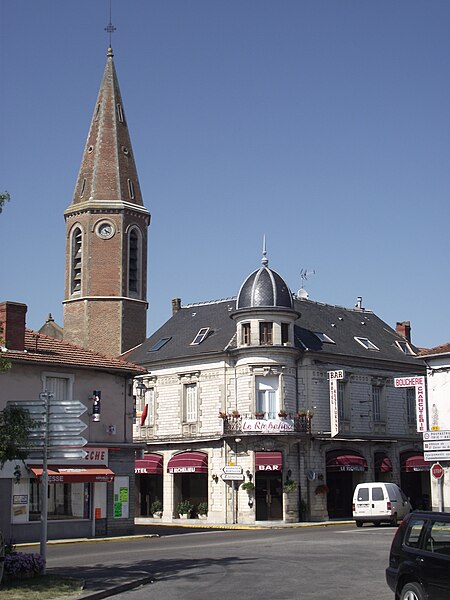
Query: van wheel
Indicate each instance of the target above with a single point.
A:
(359, 523)
(412, 591)
(394, 520)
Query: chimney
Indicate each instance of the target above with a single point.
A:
(176, 305)
(12, 324)
(404, 329)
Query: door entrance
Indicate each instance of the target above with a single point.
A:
(269, 497)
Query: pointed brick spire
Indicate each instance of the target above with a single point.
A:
(108, 172)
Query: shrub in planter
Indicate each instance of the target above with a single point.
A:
(23, 564)
(156, 507)
(184, 507)
(202, 509)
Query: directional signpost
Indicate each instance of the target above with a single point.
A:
(56, 437)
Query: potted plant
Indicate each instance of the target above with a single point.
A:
(235, 414)
(322, 489)
(202, 510)
(259, 415)
(289, 486)
(222, 414)
(282, 414)
(184, 509)
(156, 508)
(249, 486)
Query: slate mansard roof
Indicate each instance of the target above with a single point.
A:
(173, 341)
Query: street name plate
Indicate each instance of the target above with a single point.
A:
(434, 456)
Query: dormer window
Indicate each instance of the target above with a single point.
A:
(366, 343)
(265, 333)
(404, 347)
(323, 337)
(200, 337)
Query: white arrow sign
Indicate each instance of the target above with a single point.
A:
(232, 476)
(232, 469)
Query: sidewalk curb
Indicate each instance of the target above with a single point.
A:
(118, 589)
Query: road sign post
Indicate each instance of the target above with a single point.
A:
(56, 436)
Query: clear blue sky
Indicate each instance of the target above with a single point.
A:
(323, 124)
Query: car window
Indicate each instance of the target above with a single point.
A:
(439, 538)
(377, 493)
(412, 536)
(363, 494)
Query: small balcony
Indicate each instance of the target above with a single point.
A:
(254, 424)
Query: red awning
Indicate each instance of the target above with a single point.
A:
(383, 463)
(188, 462)
(415, 463)
(74, 474)
(151, 464)
(347, 462)
(268, 461)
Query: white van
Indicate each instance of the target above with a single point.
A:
(379, 502)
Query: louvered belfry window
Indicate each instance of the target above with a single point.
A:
(133, 262)
(77, 260)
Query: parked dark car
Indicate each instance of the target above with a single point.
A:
(419, 562)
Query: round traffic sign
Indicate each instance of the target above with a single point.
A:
(437, 471)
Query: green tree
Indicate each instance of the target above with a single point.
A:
(3, 198)
(5, 364)
(16, 425)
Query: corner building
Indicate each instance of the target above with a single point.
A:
(235, 408)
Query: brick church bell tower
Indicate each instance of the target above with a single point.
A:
(105, 303)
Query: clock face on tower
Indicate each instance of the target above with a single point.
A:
(105, 230)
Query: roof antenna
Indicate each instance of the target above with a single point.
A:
(304, 274)
(110, 27)
(264, 260)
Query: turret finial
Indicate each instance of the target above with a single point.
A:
(264, 260)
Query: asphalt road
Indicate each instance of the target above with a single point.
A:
(324, 563)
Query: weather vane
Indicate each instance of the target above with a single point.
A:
(110, 27)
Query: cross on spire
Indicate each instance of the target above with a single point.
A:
(110, 27)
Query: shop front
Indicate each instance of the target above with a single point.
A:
(345, 470)
(415, 479)
(149, 483)
(190, 474)
(77, 499)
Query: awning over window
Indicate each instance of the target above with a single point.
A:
(188, 462)
(268, 461)
(382, 463)
(151, 464)
(74, 474)
(346, 462)
(414, 462)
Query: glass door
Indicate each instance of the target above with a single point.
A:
(269, 497)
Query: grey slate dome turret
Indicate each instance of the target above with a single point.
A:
(264, 288)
